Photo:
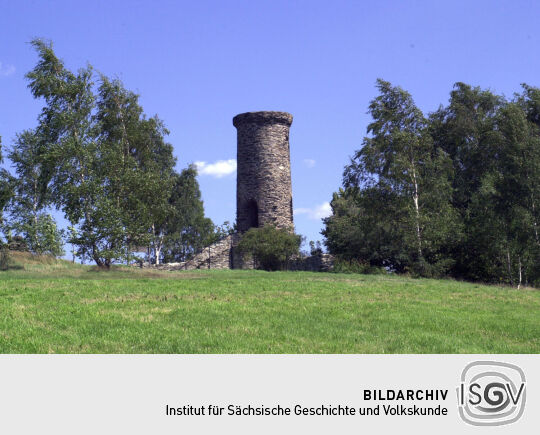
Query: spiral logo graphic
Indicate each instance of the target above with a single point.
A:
(491, 393)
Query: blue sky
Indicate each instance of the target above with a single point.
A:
(197, 64)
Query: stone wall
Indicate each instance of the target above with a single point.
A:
(313, 263)
(263, 180)
(216, 256)
(224, 255)
(219, 255)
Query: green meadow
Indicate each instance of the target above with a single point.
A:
(50, 306)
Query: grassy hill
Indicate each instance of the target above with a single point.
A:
(53, 306)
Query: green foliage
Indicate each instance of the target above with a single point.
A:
(6, 191)
(270, 247)
(30, 196)
(186, 230)
(356, 266)
(360, 228)
(40, 234)
(517, 192)
(69, 158)
(465, 130)
(6, 188)
(138, 165)
(455, 193)
(494, 146)
(395, 209)
(315, 248)
(223, 230)
(106, 165)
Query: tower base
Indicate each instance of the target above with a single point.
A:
(223, 254)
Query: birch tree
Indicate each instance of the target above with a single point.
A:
(101, 161)
(399, 157)
(188, 230)
(27, 217)
(465, 130)
(141, 164)
(70, 154)
(517, 192)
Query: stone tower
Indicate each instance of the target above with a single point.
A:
(263, 181)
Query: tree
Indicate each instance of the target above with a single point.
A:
(517, 191)
(141, 164)
(105, 165)
(70, 152)
(187, 230)
(315, 248)
(6, 193)
(30, 197)
(26, 218)
(44, 237)
(368, 225)
(454, 193)
(466, 131)
(493, 144)
(6, 187)
(269, 246)
(71, 236)
(399, 164)
(529, 101)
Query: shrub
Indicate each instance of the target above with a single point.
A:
(270, 247)
(356, 266)
(315, 248)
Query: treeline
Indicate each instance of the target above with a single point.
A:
(99, 159)
(452, 193)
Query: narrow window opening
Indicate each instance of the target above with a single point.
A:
(253, 214)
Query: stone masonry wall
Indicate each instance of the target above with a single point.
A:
(223, 255)
(215, 256)
(313, 263)
(263, 183)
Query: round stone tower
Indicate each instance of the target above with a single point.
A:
(263, 181)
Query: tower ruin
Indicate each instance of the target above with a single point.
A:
(263, 194)
(263, 180)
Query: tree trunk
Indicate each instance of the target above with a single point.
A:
(417, 211)
(509, 267)
(519, 264)
(535, 224)
(37, 248)
(157, 251)
(158, 245)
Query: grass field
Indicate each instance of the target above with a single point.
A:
(49, 306)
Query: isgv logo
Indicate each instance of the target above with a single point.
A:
(491, 393)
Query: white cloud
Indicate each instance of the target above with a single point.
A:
(6, 70)
(309, 163)
(318, 212)
(218, 169)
